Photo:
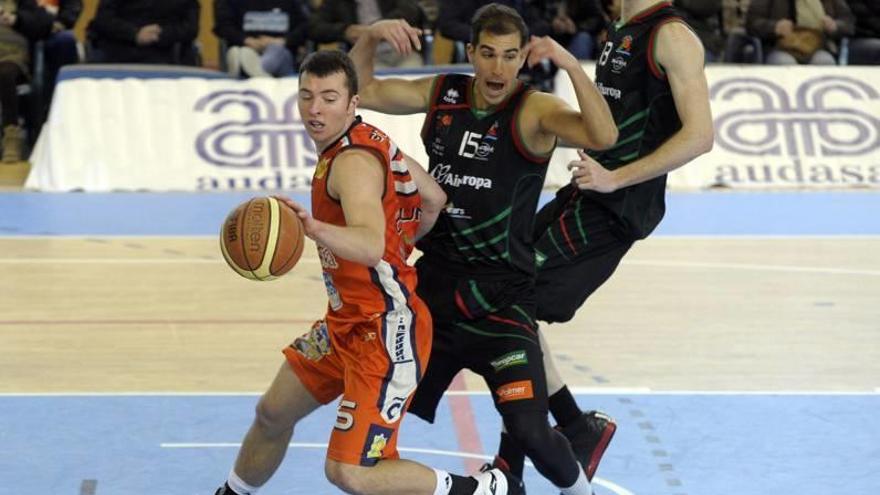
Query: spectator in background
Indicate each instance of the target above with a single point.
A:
(264, 37)
(344, 21)
(575, 24)
(704, 16)
(144, 31)
(611, 11)
(21, 22)
(60, 48)
(800, 31)
(864, 49)
(455, 18)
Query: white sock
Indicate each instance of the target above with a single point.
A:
(580, 487)
(444, 482)
(239, 486)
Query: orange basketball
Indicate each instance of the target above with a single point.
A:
(262, 239)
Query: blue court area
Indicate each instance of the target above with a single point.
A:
(188, 214)
(666, 444)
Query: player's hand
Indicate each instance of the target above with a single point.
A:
(563, 24)
(829, 24)
(310, 225)
(784, 27)
(149, 34)
(545, 47)
(403, 37)
(589, 174)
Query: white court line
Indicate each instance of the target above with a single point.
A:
(676, 264)
(749, 266)
(614, 487)
(574, 390)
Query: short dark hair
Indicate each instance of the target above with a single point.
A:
(498, 19)
(326, 62)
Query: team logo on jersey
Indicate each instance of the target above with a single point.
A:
(625, 46)
(376, 135)
(443, 175)
(618, 64)
(443, 123)
(609, 92)
(321, 168)
(451, 96)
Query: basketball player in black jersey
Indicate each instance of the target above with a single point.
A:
(650, 70)
(489, 140)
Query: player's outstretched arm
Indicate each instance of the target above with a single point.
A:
(433, 197)
(357, 180)
(389, 95)
(592, 125)
(680, 55)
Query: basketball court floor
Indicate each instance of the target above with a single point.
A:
(738, 349)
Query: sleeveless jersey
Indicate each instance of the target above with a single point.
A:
(491, 180)
(640, 99)
(356, 291)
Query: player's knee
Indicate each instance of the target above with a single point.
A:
(529, 430)
(272, 418)
(347, 477)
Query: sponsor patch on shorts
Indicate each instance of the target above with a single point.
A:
(509, 360)
(512, 391)
(374, 448)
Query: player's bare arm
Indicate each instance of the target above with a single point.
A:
(389, 95)
(433, 197)
(680, 54)
(549, 117)
(357, 180)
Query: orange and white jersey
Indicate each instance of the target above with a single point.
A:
(356, 291)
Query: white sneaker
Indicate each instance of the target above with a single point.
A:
(495, 481)
(251, 63)
(233, 61)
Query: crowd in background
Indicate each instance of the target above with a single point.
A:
(267, 38)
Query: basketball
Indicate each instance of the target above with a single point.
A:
(262, 239)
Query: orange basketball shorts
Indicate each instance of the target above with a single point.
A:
(375, 364)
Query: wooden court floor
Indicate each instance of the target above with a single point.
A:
(147, 314)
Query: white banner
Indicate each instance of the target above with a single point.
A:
(801, 127)
(780, 127)
(184, 134)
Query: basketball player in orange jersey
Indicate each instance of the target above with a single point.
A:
(489, 139)
(368, 208)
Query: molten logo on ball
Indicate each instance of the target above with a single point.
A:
(270, 242)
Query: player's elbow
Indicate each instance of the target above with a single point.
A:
(606, 138)
(434, 202)
(705, 141)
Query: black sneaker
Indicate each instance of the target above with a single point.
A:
(225, 490)
(589, 436)
(495, 480)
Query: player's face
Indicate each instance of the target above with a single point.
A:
(497, 59)
(325, 106)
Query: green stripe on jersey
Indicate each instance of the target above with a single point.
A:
(497, 218)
